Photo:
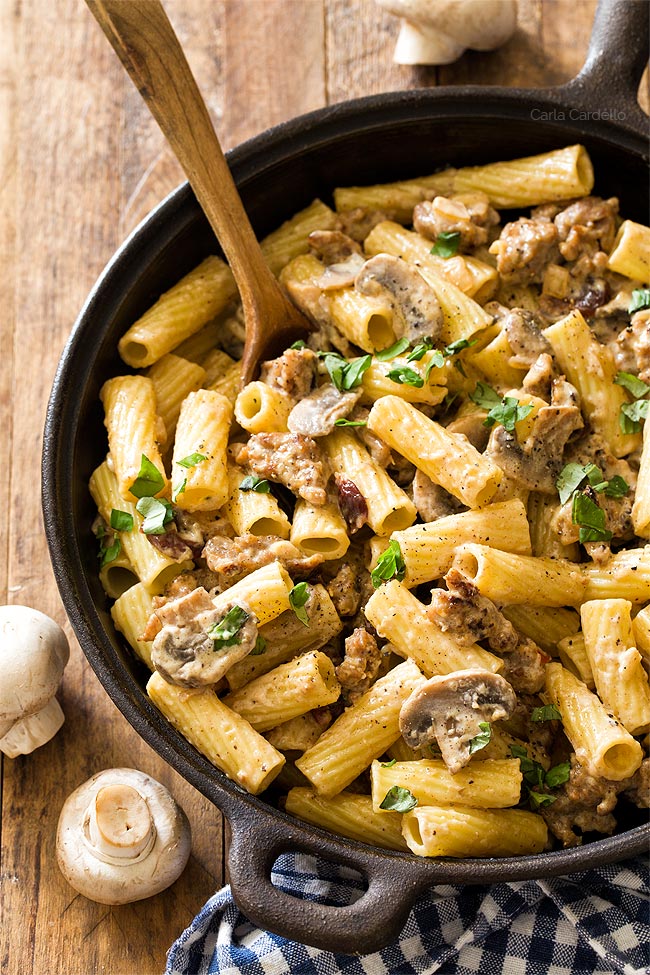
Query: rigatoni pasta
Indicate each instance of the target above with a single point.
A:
(353, 577)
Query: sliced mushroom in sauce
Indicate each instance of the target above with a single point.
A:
(450, 709)
(416, 308)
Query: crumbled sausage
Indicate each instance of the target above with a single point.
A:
(468, 214)
(524, 249)
(360, 664)
(468, 616)
(292, 373)
(586, 226)
(291, 459)
(232, 559)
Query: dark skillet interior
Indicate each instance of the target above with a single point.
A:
(379, 139)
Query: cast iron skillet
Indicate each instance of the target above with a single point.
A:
(384, 137)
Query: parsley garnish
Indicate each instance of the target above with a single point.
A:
(591, 519)
(480, 741)
(536, 778)
(156, 513)
(421, 349)
(390, 764)
(107, 553)
(226, 632)
(548, 712)
(631, 414)
(399, 799)
(572, 475)
(298, 345)
(260, 647)
(344, 422)
(297, 599)
(121, 521)
(393, 350)
(149, 480)
(191, 460)
(178, 489)
(507, 411)
(447, 244)
(390, 565)
(405, 376)
(254, 483)
(345, 375)
(640, 300)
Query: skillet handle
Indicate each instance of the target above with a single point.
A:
(616, 59)
(365, 926)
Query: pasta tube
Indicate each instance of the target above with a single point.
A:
(457, 831)
(131, 421)
(621, 681)
(265, 591)
(261, 408)
(590, 367)
(490, 784)
(173, 378)
(507, 578)
(319, 530)
(202, 433)
(286, 635)
(573, 655)
(253, 512)
(226, 739)
(130, 613)
(625, 575)
(600, 742)
(401, 618)
(389, 508)
(631, 251)
(546, 627)
(360, 734)
(428, 550)
(348, 814)
(448, 459)
(287, 691)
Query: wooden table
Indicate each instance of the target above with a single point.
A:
(81, 163)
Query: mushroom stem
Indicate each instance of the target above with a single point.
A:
(118, 826)
(422, 44)
(29, 733)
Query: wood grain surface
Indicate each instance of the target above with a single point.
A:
(81, 162)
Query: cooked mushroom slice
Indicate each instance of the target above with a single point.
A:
(33, 653)
(341, 255)
(316, 414)
(198, 642)
(122, 837)
(450, 710)
(525, 337)
(417, 311)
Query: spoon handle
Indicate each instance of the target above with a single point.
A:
(144, 40)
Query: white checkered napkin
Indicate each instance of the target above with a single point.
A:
(592, 922)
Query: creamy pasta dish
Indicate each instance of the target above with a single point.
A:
(402, 579)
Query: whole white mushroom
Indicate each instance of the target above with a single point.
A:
(122, 837)
(33, 653)
(439, 31)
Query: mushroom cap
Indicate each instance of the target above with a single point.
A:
(479, 24)
(117, 882)
(33, 653)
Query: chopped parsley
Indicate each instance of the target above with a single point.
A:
(507, 411)
(298, 345)
(297, 600)
(191, 460)
(345, 374)
(640, 300)
(254, 483)
(177, 489)
(405, 376)
(390, 565)
(572, 476)
(108, 551)
(548, 712)
(587, 514)
(121, 521)
(259, 648)
(399, 799)
(421, 349)
(537, 778)
(157, 513)
(632, 414)
(390, 764)
(344, 422)
(149, 480)
(226, 632)
(393, 350)
(481, 740)
(447, 244)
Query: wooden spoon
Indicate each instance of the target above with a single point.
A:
(147, 46)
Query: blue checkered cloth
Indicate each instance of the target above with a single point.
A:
(597, 921)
